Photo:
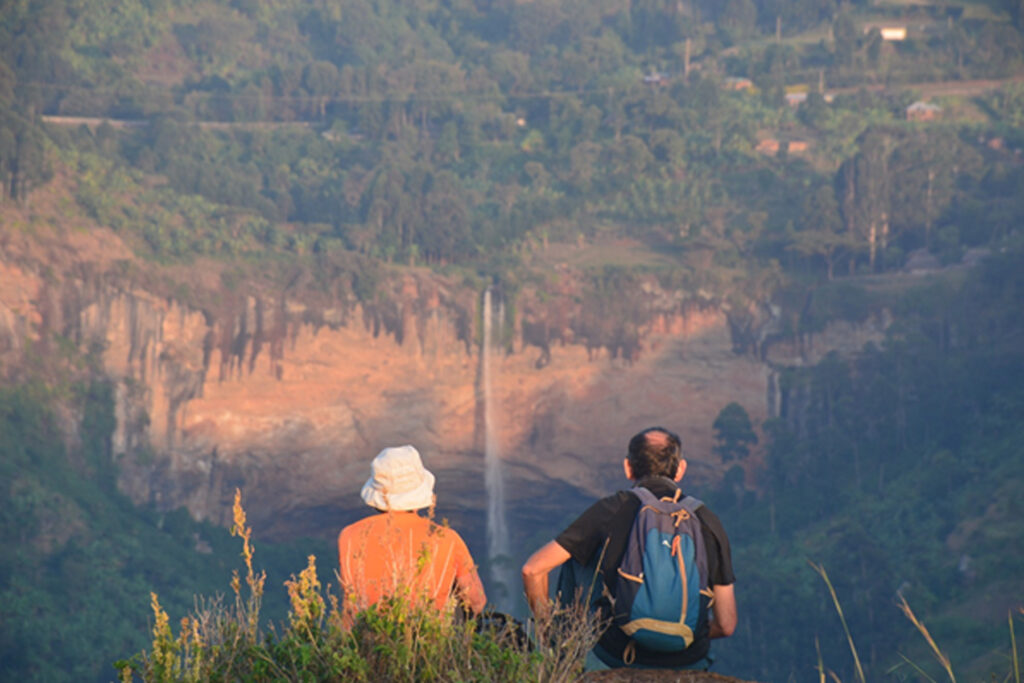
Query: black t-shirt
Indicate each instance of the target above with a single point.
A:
(610, 520)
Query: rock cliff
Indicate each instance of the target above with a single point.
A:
(288, 395)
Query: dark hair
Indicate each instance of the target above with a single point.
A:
(654, 457)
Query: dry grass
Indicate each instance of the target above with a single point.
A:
(943, 658)
(1013, 646)
(939, 654)
(839, 608)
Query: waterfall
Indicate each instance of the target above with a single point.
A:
(774, 397)
(497, 526)
(500, 336)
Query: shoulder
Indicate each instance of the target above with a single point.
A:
(367, 522)
(355, 530)
(446, 540)
(441, 532)
(602, 520)
(708, 517)
(710, 521)
(718, 548)
(620, 503)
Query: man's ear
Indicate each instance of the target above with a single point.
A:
(627, 469)
(681, 470)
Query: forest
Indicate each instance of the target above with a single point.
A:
(906, 457)
(767, 151)
(437, 133)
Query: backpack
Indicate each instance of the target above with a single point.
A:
(661, 590)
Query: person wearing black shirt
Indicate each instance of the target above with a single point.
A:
(599, 537)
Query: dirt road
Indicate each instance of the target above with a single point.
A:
(935, 89)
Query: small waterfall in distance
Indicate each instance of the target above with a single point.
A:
(501, 570)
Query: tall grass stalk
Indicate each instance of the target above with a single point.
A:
(839, 609)
(939, 654)
(914, 666)
(1013, 646)
(942, 657)
(821, 663)
(822, 671)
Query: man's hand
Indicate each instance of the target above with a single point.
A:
(724, 611)
(535, 577)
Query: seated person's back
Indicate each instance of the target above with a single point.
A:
(398, 552)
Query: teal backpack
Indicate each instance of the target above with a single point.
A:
(661, 593)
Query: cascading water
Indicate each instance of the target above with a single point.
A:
(501, 573)
(774, 402)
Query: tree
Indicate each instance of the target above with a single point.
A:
(924, 176)
(669, 148)
(23, 161)
(445, 232)
(1017, 12)
(864, 190)
(583, 166)
(630, 157)
(8, 152)
(826, 245)
(734, 433)
(814, 111)
(320, 79)
(447, 149)
(820, 231)
(738, 18)
(770, 73)
(844, 31)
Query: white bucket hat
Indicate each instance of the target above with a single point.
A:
(399, 481)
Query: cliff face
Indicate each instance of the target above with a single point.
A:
(290, 400)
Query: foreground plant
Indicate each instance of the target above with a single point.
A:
(940, 656)
(400, 639)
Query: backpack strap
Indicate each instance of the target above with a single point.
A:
(645, 496)
(691, 504)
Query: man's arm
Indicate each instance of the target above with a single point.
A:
(724, 611)
(535, 576)
(348, 606)
(471, 590)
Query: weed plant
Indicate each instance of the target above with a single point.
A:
(397, 640)
(908, 669)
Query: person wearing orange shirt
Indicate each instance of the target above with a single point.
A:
(399, 552)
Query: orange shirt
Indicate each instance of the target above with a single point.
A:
(391, 551)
